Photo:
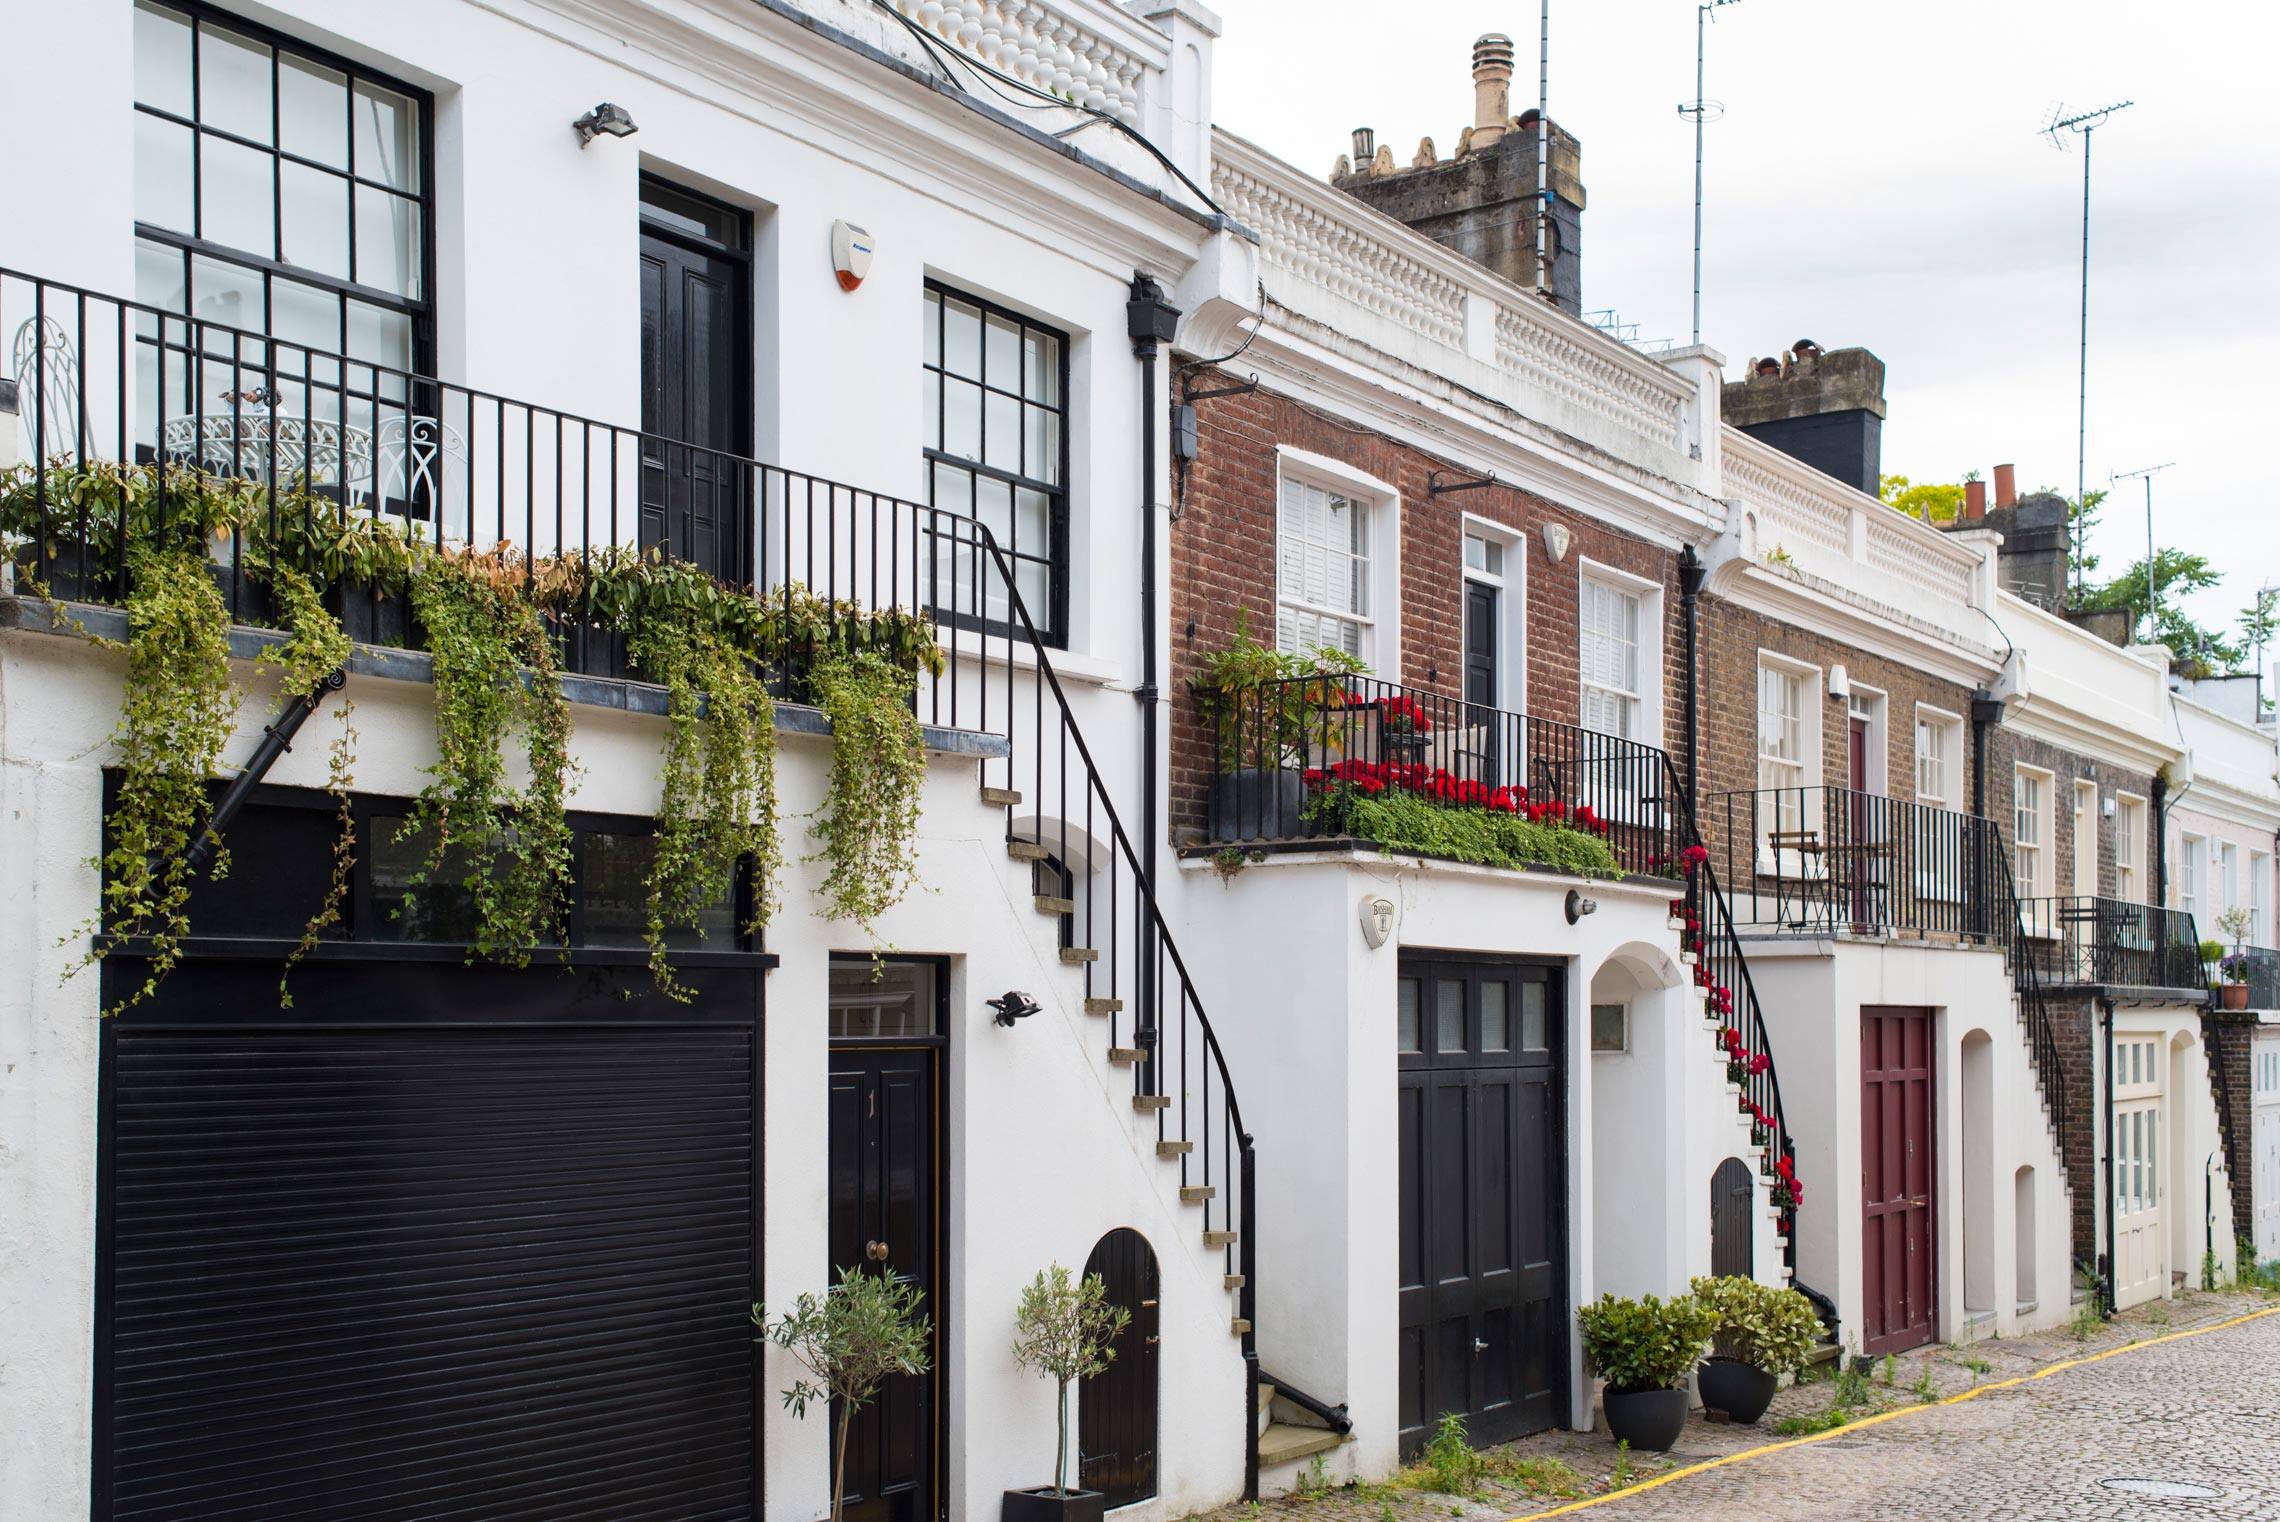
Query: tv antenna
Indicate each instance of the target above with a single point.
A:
(1700, 112)
(2152, 595)
(2082, 124)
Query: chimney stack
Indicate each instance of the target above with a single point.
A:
(1492, 89)
(1974, 501)
(2006, 486)
(1365, 148)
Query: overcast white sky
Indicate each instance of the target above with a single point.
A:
(1877, 179)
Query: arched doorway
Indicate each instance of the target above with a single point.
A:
(1116, 1409)
(1733, 1201)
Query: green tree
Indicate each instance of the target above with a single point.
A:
(2200, 651)
(2260, 624)
(1933, 502)
(1063, 1330)
(850, 1340)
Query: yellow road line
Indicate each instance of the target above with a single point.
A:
(1883, 1416)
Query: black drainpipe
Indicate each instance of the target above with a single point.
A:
(1986, 713)
(275, 741)
(1150, 321)
(2161, 870)
(1690, 575)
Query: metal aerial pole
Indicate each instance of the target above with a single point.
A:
(2152, 587)
(2083, 123)
(1700, 111)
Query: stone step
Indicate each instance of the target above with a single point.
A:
(1238, 1326)
(1077, 956)
(1219, 1239)
(1235, 1281)
(1196, 1194)
(1049, 904)
(1026, 850)
(1001, 797)
(1174, 1148)
(1148, 1104)
(1103, 1006)
(1282, 1443)
(1125, 1056)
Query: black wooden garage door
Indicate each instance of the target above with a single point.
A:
(445, 1242)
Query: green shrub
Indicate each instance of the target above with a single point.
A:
(1645, 1344)
(1402, 821)
(1768, 1328)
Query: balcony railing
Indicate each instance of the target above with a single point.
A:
(1817, 860)
(2082, 942)
(1281, 749)
(2259, 968)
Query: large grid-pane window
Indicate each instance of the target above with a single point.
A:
(284, 192)
(1322, 570)
(2192, 860)
(2129, 833)
(1612, 696)
(2030, 826)
(1781, 728)
(997, 451)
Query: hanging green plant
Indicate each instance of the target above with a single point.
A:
(484, 635)
(719, 775)
(868, 822)
(318, 649)
(179, 708)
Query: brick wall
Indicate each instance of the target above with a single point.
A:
(2074, 1026)
(2007, 749)
(1223, 562)
(2230, 1038)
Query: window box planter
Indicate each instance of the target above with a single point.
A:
(1257, 804)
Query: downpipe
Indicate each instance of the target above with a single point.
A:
(276, 740)
(1150, 321)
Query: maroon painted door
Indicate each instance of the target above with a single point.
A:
(1899, 1232)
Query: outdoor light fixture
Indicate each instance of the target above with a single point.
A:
(1013, 1006)
(1578, 906)
(604, 118)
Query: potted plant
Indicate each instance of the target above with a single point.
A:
(1645, 1349)
(1064, 1330)
(1762, 1333)
(851, 1340)
(1268, 708)
(1403, 728)
(2232, 968)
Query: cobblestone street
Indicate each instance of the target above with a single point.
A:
(2202, 1412)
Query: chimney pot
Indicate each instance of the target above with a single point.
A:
(1974, 501)
(1365, 147)
(1492, 80)
(2006, 486)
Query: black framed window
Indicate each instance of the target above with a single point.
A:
(889, 998)
(997, 452)
(284, 191)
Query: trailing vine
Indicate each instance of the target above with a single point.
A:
(719, 777)
(868, 821)
(482, 634)
(318, 649)
(176, 717)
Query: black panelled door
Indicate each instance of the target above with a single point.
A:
(885, 1203)
(1733, 1216)
(1483, 1162)
(1480, 644)
(696, 497)
(1116, 1408)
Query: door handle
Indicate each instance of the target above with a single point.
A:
(875, 1252)
(1480, 1344)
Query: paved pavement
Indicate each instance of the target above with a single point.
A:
(2201, 1411)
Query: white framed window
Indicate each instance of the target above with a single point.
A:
(2129, 848)
(2192, 865)
(2228, 876)
(1322, 570)
(2085, 840)
(2259, 899)
(2031, 831)
(1938, 762)
(1610, 619)
(1784, 719)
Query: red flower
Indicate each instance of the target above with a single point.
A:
(1759, 1062)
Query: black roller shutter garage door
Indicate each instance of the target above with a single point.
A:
(441, 1242)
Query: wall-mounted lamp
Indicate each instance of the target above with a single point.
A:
(1013, 1006)
(1840, 681)
(1557, 538)
(603, 119)
(2110, 808)
(1578, 906)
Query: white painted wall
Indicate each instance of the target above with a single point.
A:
(1813, 992)
(1046, 1154)
(2264, 1057)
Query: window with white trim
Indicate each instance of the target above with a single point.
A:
(2192, 855)
(2030, 831)
(1781, 727)
(1609, 617)
(2259, 899)
(1937, 764)
(2129, 841)
(2228, 876)
(2086, 839)
(1322, 570)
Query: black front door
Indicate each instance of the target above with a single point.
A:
(1483, 1203)
(696, 411)
(886, 1204)
(1480, 644)
(1116, 1408)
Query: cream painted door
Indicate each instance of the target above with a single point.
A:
(2141, 1246)
(2266, 1134)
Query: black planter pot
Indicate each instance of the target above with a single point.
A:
(1256, 804)
(1736, 1388)
(1041, 1505)
(1650, 1420)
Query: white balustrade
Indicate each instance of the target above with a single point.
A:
(1090, 54)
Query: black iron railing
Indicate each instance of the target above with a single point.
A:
(2084, 942)
(2259, 968)
(127, 411)
(1289, 754)
(1991, 874)
(1816, 860)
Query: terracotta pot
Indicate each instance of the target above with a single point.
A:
(2236, 995)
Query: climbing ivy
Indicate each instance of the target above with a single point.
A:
(318, 649)
(868, 821)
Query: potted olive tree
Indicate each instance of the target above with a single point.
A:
(1761, 1333)
(851, 1340)
(2232, 968)
(1063, 1330)
(1645, 1349)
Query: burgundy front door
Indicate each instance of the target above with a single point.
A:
(1899, 1233)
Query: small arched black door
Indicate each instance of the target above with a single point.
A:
(1733, 1197)
(1116, 1409)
